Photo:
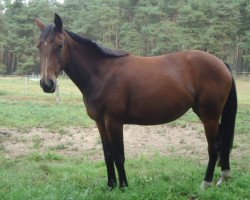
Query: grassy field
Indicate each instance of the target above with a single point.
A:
(24, 105)
(48, 175)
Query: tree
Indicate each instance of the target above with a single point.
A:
(210, 26)
(2, 40)
(144, 27)
(20, 48)
(243, 48)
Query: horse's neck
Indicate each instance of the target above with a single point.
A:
(83, 66)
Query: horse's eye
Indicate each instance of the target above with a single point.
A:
(60, 46)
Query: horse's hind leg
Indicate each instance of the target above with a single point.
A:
(211, 131)
(224, 159)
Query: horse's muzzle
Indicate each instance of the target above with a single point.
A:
(48, 86)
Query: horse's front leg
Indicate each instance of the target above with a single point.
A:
(115, 130)
(108, 154)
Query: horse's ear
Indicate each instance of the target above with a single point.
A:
(40, 24)
(58, 22)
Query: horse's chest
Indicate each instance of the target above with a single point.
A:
(93, 114)
(94, 109)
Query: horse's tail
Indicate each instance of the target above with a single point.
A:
(227, 125)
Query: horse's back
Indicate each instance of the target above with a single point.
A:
(193, 70)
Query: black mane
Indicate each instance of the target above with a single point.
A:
(51, 31)
(98, 48)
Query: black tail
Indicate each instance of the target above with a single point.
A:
(226, 129)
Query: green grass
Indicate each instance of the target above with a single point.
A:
(50, 176)
(24, 106)
(26, 115)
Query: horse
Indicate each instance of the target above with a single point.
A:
(121, 88)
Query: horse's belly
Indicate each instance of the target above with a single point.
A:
(151, 97)
(156, 112)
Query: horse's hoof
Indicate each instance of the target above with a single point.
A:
(112, 185)
(123, 186)
(220, 182)
(206, 184)
(225, 175)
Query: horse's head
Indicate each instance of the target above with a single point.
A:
(53, 52)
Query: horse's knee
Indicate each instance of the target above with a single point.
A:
(109, 157)
(119, 161)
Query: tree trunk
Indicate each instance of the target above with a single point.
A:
(2, 55)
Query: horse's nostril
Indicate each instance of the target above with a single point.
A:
(51, 82)
(47, 85)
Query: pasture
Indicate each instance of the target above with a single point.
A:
(43, 155)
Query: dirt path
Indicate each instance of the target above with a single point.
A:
(187, 142)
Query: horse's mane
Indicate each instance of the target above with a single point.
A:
(98, 48)
(51, 31)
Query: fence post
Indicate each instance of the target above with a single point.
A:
(57, 93)
(25, 85)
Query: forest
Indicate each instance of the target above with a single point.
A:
(142, 27)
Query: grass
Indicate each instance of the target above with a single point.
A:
(51, 176)
(24, 106)
(26, 115)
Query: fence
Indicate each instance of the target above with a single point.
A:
(37, 78)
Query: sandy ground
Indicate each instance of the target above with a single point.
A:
(189, 142)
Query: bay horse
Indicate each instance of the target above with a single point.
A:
(120, 88)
